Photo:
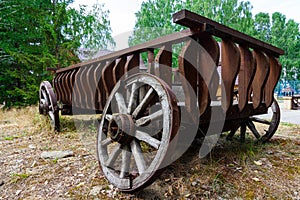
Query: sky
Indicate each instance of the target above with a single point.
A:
(122, 12)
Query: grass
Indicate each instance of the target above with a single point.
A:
(230, 171)
(9, 138)
(18, 177)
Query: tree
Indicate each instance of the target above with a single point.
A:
(157, 14)
(233, 13)
(155, 20)
(262, 27)
(284, 34)
(40, 34)
(236, 14)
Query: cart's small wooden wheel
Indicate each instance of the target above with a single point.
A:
(48, 104)
(138, 123)
(262, 127)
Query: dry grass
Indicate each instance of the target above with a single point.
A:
(232, 170)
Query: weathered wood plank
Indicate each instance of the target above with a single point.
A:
(83, 88)
(187, 63)
(200, 23)
(246, 75)
(56, 87)
(77, 88)
(72, 79)
(64, 89)
(230, 68)
(208, 80)
(68, 88)
(107, 77)
(163, 64)
(150, 61)
(98, 82)
(260, 78)
(156, 43)
(275, 69)
(119, 69)
(132, 64)
(60, 91)
(91, 87)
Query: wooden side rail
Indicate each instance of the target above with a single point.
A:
(144, 47)
(246, 60)
(199, 23)
(249, 62)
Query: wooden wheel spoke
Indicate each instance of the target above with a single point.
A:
(253, 129)
(262, 121)
(106, 142)
(231, 134)
(243, 132)
(133, 98)
(45, 96)
(113, 155)
(43, 101)
(142, 141)
(51, 115)
(108, 117)
(148, 97)
(126, 155)
(147, 138)
(121, 103)
(144, 120)
(138, 156)
(48, 104)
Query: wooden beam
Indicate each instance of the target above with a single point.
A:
(199, 23)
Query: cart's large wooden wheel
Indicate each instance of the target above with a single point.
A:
(138, 123)
(48, 104)
(262, 127)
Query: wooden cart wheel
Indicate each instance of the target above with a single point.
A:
(139, 121)
(48, 104)
(262, 127)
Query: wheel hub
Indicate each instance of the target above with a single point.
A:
(121, 128)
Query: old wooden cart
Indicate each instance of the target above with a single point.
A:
(141, 114)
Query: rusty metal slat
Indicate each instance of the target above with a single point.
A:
(197, 22)
(275, 69)
(246, 75)
(156, 43)
(260, 78)
(229, 70)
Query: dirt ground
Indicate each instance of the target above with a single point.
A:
(233, 170)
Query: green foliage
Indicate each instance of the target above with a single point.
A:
(38, 34)
(279, 32)
(233, 13)
(155, 16)
(155, 19)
